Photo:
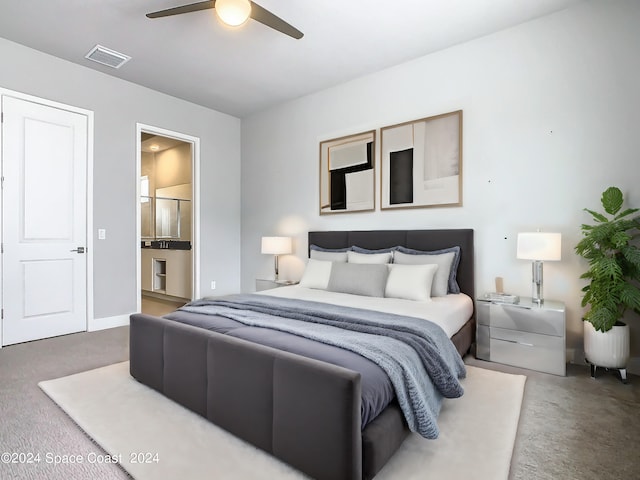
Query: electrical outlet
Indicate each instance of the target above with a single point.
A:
(102, 233)
(213, 284)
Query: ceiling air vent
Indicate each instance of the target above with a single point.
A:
(108, 57)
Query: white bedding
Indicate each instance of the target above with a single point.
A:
(450, 312)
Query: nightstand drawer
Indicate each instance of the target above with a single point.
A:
(544, 353)
(533, 320)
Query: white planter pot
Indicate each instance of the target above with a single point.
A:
(607, 349)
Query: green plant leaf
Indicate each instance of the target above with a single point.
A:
(598, 216)
(632, 254)
(628, 211)
(619, 239)
(630, 296)
(612, 199)
(601, 319)
(611, 248)
(627, 224)
(600, 235)
(608, 269)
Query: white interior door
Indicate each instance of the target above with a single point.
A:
(44, 215)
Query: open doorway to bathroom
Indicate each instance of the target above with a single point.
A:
(167, 238)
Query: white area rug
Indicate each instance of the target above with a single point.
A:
(133, 422)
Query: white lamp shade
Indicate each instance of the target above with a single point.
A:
(276, 245)
(542, 246)
(233, 12)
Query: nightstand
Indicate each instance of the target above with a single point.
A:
(524, 335)
(263, 284)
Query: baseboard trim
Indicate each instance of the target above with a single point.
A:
(572, 356)
(634, 365)
(108, 322)
(166, 298)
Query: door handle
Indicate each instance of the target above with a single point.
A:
(79, 250)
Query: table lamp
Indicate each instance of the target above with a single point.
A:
(538, 247)
(276, 246)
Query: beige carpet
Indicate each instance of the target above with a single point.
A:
(133, 422)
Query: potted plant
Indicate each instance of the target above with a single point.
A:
(613, 276)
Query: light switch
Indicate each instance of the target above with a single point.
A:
(102, 233)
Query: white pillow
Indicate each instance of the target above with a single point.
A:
(444, 260)
(316, 274)
(411, 282)
(355, 257)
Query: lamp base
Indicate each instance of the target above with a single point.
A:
(536, 285)
(276, 268)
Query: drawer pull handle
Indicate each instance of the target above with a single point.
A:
(513, 305)
(520, 343)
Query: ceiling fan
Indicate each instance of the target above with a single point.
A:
(234, 13)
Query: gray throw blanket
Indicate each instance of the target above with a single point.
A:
(416, 354)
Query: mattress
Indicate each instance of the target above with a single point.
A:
(377, 390)
(450, 312)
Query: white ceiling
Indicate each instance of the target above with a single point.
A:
(158, 143)
(241, 71)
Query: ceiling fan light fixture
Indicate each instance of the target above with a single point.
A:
(233, 12)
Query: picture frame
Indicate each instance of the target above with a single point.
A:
(421, 163)
(348, 174)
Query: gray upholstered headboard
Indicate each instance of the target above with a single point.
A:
(417, 239)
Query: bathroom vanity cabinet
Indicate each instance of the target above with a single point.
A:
(167, 272)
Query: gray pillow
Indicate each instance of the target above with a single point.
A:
(358, 249)
(359, 279)
(313, 246)
(328, 256)
(439, 287)
(453, 286)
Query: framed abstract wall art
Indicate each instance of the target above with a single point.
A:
(347, 173)
(421, 163)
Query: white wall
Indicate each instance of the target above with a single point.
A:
(550, 120)
(118, 106)
(173, 166)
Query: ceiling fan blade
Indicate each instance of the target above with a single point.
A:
(193, 7)
(270, 20)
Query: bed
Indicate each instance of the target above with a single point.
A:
(264, 395)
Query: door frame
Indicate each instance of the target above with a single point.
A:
(4, 92)
(195, 205)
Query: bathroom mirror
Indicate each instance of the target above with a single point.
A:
(146, 217)
(167, 218)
